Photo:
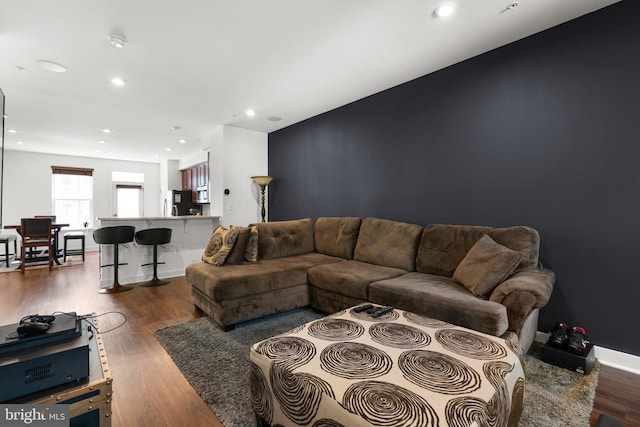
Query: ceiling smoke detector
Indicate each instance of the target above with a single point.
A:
(513, 5)
(117, 41)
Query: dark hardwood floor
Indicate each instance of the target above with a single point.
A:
(148, 388)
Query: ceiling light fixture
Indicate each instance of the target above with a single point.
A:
(274, 118)
(513, 5)
(118, 81)
(106, 130)
(51, 66)
(444, 10)
(117, 41)
(182, 141)
(176, 127)
(12, 131)
(250, 113)
(102, 141)
(19, 142)
(167, 149)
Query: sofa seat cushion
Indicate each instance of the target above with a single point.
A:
(441, 298)
(237, 281)
(350, 278)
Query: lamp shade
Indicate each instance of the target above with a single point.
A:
(262, 180)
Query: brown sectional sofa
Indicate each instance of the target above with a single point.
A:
(338, 262)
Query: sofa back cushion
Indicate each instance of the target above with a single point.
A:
(525, 240)
(444, 246)
(285, 238)
(336, 236)
(388, 243)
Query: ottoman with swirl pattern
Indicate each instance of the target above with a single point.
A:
(401, 369)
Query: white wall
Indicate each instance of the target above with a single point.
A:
(27, 185)
(244, 155)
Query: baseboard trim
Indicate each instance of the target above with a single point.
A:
(606, 356)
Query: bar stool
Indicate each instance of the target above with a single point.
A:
(73, 235)
(5, 239)
(114, 236)
(155, 237)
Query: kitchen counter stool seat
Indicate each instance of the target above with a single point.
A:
(114, 236)
(154, 237)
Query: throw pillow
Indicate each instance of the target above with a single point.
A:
(252, 245)
(219, 245)
(237, 253)
(485, 266)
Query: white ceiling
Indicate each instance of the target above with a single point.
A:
(201, 63)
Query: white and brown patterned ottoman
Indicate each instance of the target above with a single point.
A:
(402, 369)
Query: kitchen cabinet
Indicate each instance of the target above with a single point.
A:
(196, 179)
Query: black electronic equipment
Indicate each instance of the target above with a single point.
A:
(64, 327)
(29, 370)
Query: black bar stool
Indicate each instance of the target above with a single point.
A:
(114, 236)
(155, 237)
(4, 240)
(73, 235)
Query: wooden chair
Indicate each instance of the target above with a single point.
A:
(36, 232)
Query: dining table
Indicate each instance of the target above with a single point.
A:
(56, 226)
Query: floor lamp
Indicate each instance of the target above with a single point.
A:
(262, 181)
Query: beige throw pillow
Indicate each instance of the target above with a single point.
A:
(252, 245)
(485, 266)
(219, 246)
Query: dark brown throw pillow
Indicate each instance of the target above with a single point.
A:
(236, 256)
(485, 266)
(219, 245)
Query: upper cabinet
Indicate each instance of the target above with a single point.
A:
(196, 179)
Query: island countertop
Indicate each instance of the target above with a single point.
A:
(157, 218)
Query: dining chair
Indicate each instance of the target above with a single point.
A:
(36, 232)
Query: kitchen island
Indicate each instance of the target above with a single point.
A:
(189, 236)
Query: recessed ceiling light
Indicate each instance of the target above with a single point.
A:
(51, 66)
(117, 41)
(182, 141)
(250, 113)
(102, 141)
(106, 130)
(12, 131)
(19, 142)
(444, 10)
(176, 127)
(167, 149)
(5, 116)
(513, 5)
(118, 81)
(274, 118)
(19, 68)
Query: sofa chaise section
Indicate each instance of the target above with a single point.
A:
(277, 282)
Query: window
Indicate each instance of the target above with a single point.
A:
(128, 194)
(72, 191)
(128, 201)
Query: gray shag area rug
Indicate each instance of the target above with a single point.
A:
(216, 364)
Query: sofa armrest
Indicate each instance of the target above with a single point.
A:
(538, 282)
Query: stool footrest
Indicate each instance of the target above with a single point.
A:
(111, 265)
(150, 263)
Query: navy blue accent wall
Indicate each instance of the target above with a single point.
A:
(543, 132)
